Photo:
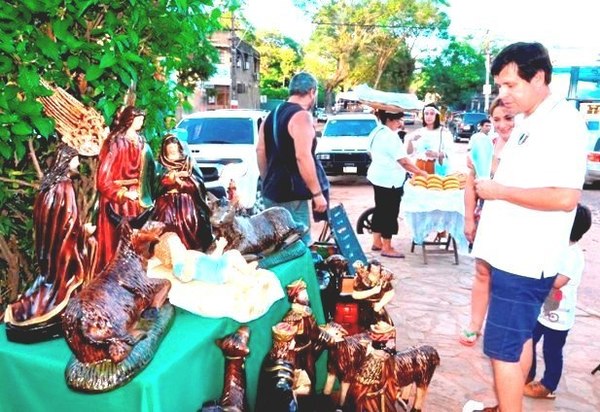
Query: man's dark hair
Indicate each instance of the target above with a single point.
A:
(484, 121)
(582, 222)
(302, 83)
(385, 116)
(530, 58)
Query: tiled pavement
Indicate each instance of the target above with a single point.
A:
(432, 303)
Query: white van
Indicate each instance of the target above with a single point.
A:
(223, 143)
(343, 146)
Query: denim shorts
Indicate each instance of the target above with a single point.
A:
(515, 304)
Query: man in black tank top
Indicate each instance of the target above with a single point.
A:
(289, 153)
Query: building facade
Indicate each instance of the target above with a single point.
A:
(235, 84)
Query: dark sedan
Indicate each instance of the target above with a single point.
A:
(467, 124)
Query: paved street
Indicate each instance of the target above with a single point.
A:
(431, 305)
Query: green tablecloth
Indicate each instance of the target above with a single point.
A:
(186, 371)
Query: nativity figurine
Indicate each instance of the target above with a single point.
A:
(182, 204)
(372, 389)
(116, 322)
(259, 234)
(235, 349)
(277, 382)
(373, 289)
(302, 318)
(58, 247)
(346, 355)
(219, 283)
(126, 179)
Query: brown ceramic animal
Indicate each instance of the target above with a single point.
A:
(260, 233)
(415, 365)
(346, 355)
(100, 322)
(235, 349)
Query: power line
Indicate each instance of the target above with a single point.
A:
(372, 26)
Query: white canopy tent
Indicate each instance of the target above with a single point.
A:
(389, 101)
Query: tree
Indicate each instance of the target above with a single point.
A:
(455, 75)
(335, 45)
(95, 50)
(398, 73)
(280, 58)
(356, 39)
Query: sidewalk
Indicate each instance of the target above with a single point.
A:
(432, 304)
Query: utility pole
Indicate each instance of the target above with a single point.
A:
(233, 87)
(487, 87)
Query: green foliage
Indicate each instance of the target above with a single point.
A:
(355, 40)
(398, 73)
(95, 50)
(455, 75)
(280, 58)
(275, 93)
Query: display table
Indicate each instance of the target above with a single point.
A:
(186, 371)
(426, 211)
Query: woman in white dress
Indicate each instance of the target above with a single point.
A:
(431, 142)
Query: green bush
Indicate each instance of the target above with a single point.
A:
(95, 50)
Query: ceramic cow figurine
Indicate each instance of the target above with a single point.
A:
(102, 323)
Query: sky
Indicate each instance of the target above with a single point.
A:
(569, 29)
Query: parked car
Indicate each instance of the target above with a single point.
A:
(342, 148)
(410, 118)
(321, 115)
(466, 125)
(223, 143)
(592, 173)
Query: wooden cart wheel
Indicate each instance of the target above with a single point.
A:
(364, 221)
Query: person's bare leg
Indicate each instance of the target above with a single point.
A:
(509, 379)
(526, 359)
(480, 295)
(388, 250)
(376, 241)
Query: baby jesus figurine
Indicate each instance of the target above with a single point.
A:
(216, 284)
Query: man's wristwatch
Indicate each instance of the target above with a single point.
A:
(320, 192)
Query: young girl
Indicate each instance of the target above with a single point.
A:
(558, 313)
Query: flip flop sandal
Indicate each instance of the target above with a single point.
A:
(393, 255)
(468, 338)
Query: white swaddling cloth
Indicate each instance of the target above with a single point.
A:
(221, 284)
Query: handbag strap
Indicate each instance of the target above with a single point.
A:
(275, 134)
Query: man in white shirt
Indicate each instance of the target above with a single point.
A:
(528, 211)
(485, 127)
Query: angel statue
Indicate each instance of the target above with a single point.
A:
(58, 250)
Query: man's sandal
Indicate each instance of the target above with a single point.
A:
(468, 338)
